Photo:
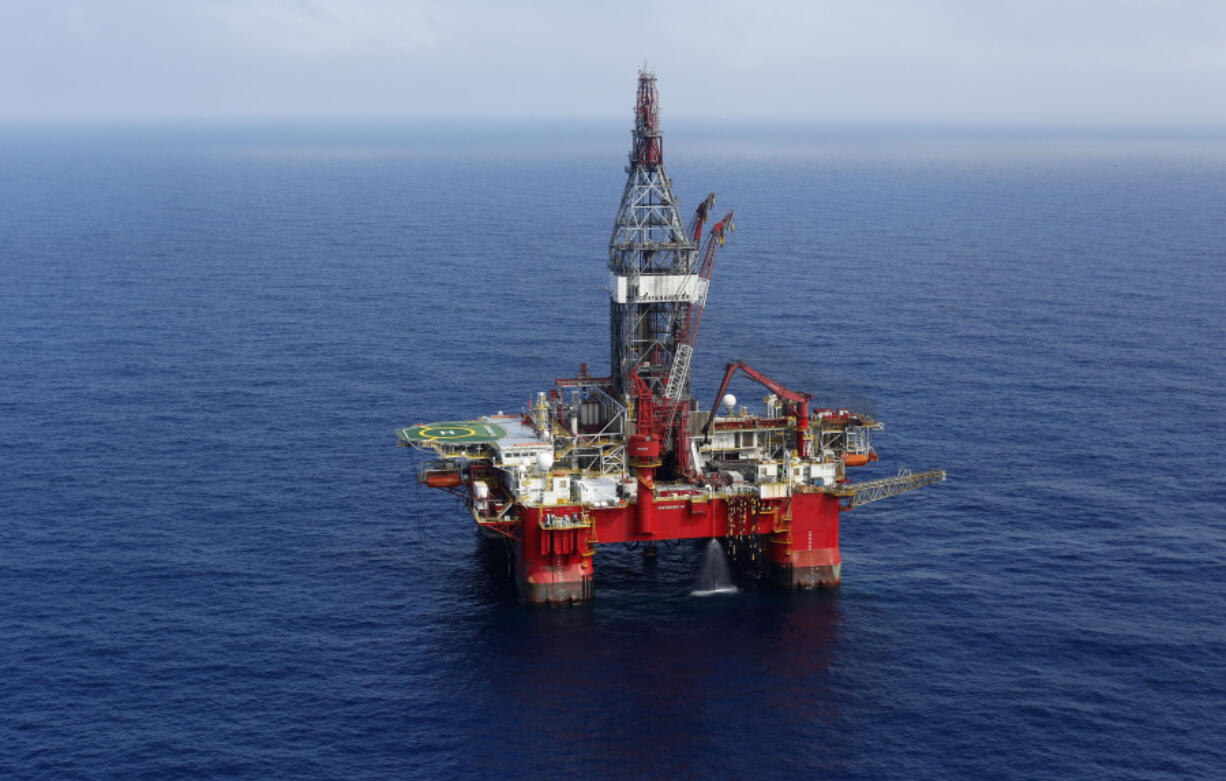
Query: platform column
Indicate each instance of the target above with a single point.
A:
(554, 565)
(645, 505)
(644, 452)
(805, 553)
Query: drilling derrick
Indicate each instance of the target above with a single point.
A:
(652, 261)
(600, 460)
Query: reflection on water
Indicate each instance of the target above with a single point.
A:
(648, 675)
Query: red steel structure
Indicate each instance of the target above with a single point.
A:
(631, 457)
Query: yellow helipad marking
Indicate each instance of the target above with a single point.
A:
(445, 432)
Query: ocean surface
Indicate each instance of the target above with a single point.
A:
(214, 562)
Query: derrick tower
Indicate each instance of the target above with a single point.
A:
(653, 268)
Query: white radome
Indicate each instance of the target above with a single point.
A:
(729, 401)
(544, 460)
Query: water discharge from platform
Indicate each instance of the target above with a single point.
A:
(714, 577)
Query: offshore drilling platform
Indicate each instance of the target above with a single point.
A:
(632, 457)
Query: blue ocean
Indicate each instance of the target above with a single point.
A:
(214, 562)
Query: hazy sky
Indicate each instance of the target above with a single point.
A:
(1084, 61)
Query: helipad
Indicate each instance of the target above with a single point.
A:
(466, 432)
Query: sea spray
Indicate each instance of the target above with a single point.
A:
(713, 575)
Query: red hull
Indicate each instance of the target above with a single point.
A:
(802, 531)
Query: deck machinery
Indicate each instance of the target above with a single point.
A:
(632, 457)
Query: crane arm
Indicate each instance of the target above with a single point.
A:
(694, 229)
(688, 335)
(644, 408)
(800, 400)
(775, 387)
(715, 240)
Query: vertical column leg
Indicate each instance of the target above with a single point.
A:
(645, 507)
(550, 565)
(806, 555)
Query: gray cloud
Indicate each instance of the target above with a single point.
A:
(1089, 61)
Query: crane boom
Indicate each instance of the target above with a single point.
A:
(798, 403)
(694, 229)
(876, 490)
(799, 400)
(688, 334)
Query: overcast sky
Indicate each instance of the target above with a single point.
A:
(1078, 61)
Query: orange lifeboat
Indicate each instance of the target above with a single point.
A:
(443, 479)
(858, 459)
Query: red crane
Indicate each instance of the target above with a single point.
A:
(694, 229)
(672, 412)
(687, 335)
(798, 403)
